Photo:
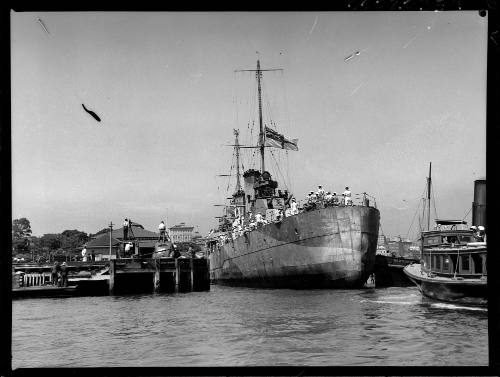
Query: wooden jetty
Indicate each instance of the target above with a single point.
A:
(159, 275)
(118, 276)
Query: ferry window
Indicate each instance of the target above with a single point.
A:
(454, 262)
(465, 262)
(432, 240)
(478, 263)
(446, 263)
(465, 239)
(438, 262)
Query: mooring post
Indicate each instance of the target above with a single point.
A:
(191, 267)
(177, 275)
(157, 275)
(112, 267)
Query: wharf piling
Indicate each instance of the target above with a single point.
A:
(158, 275)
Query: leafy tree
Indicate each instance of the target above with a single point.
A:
(21, 234)
(72, 239)
(21, 228)
(50, 241)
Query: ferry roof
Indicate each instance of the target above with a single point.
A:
(450, 222)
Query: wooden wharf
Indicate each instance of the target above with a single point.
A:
(119, 276)
(159, 275)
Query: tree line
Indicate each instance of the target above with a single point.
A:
(46, 247)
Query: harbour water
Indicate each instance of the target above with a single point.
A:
(230, 326)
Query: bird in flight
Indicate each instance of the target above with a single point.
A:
(94, 115)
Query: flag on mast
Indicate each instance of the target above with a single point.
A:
(274, 139)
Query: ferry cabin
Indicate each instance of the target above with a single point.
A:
(453, 253)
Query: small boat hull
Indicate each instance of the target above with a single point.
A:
(44, 291)
(465, 291)
(389, 271)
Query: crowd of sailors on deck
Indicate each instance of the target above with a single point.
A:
(314, 200)
(322, 198)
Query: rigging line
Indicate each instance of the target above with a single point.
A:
(414, 216)
(236, 99)
(467, 213)
(434, 202)
(268, 103)
(279, 170)
(287, 115)
(288, 171)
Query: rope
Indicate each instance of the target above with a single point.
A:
(467, 213)
(434, 201)
(414, 216)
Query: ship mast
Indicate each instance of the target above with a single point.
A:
(429, 197)
(258, 74)
(237, 151)
(262, 136)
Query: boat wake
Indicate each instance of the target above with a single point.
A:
(457, 307)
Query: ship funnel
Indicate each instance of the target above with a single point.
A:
(479, 203)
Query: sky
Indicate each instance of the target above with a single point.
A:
(164, 86)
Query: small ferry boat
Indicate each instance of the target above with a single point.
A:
(453, 266)
(453, 260)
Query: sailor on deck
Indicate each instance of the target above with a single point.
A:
(347, 196)
(335, 200)
(481, 234)
(328, 198)
(162, 228)
(128, 246)
(293, 207)
(320, 194)
(258, 218)
(126, 225)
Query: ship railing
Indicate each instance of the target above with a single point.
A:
(362, 199)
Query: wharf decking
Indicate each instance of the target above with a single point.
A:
(121, 276)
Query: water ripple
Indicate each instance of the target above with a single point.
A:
(242, 327)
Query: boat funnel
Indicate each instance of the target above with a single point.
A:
(479, 204)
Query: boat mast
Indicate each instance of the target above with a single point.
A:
(429, 197)
(258, 74)
(237, 151)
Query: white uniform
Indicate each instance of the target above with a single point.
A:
(84, 255)
(347, 197)
(293, 207)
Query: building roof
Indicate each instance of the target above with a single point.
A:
(102, 241)
(181, 226)
(138, 232)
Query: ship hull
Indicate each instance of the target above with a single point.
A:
(332, 247)
(465, 291)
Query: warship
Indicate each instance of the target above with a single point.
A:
(268, 238)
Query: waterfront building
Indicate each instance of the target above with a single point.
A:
(181, 233)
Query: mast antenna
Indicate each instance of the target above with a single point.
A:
(429, 197)
(262, 136)
(237, 151)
